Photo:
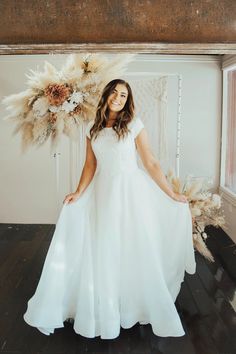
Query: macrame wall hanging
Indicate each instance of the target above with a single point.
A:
(150, 96)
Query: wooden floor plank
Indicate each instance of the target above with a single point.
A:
(222, 290)
(210, 317)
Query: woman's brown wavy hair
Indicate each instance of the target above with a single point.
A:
(123, 117)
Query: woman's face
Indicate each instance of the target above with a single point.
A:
(118, 97)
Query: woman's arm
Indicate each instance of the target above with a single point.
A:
(153, 167)
(86, 175)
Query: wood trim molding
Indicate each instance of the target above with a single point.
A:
(156, 48)
(228, 62)
(140, 57)
(228, 195)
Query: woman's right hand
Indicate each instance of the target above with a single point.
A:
(71, 198)
(180, 197)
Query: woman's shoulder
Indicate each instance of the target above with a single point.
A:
(136, 125)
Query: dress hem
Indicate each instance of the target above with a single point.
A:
(50, 329)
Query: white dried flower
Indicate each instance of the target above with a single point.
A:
(76, 97)
(205, 195)
(40, 106)
(216, 200)
(196, 211)
(204, 235)
(195, 236)
(54, 109)
(68, 106)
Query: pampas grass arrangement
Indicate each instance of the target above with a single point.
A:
(57, 101)
(205, 209)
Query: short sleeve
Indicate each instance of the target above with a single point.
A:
(88, 127)
(137, 126)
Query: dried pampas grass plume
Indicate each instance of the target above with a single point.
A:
(39, 80)
(18, 104)
(201, 247)
(27, 136)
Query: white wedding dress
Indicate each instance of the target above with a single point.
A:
(118, 254)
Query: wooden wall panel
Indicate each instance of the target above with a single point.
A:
(117, 21)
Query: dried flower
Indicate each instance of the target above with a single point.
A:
(204, 235)
(54, 109)
(196, 211)
(68, 106)
(57, 94)
(216, 200)
(205, 209)
(52, 118)
(76, 112)
(76, 97)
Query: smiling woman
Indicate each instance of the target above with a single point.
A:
(123, 240)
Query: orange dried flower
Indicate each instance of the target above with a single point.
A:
(57, 94)
(77, 110)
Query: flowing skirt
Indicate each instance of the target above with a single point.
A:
(117, 257)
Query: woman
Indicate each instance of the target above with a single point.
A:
(123, 240)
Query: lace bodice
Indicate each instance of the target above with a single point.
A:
(115, 156)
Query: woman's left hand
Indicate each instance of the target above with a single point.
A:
(180, 198)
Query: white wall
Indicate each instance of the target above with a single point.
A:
(28, 189)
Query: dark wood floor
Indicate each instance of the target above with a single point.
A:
(206, 303)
